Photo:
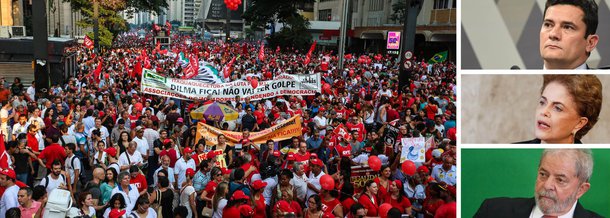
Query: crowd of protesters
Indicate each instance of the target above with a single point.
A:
(118, 159)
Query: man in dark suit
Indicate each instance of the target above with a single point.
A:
(567, 35)
(563, 177)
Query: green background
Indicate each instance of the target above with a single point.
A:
(488, 173)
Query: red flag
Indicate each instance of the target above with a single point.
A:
(88, 43)
(97, 72)
(3, 154)
(261, 53)
(342, 131)
(313, 47)
(169, 27)
(137, 71)
(229, 68)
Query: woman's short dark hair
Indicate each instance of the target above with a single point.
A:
(586, 90)
(38, 191)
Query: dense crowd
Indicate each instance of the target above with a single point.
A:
(123, 153)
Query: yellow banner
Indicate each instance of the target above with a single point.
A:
(278, 132)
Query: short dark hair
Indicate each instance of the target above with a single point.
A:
(589, 7)
(38, 191)
(71, 146)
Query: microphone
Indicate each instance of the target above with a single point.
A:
(515, 67)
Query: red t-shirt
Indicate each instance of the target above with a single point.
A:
(341, 113)
(432, 207)
(383, 191)
(344, 150)
(210, 188)
(447, 210)
(347, 204)
(260, 116)
(51, 153)
(358, 127)
(32, 143)
(298, 157)
(140, 182)
(329, 206)
(404, 203)
(260, 208)
(372, 208)
(392, 115)
(231, 212)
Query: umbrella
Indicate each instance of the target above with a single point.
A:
(215, 112)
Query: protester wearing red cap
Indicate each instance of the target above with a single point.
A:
(397, 199)
(235, 201)
(9, 198)
(184, 163)
(246, 211)
(314, 177)
(188, 194)
(258, 198)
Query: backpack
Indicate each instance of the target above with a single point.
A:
(81, 176)
(46, 182)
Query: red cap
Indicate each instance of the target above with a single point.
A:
(9, 172)
(314, 155)
(317, 162)
(190, 172)
(246, 210)
(239, 195)
(423, 169)
(211, 155)
(188, 150)
(290, 157)
(284, 206)
(277, 153)
(111, 151)
(166, 141)
(398, 184)
(258, 184)
(116, 213)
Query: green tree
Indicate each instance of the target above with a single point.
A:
(294, 33)
(400, 10)
(110, 22)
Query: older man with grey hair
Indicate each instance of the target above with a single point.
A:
(299, 181)
(130, 157)
(563, 177)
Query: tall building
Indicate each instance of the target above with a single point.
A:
(175, 11)
(371, 20)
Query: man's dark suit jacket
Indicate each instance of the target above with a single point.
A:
(520, 208)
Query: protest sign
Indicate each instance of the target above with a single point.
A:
(284, 84)
(282, 131)
(413, 149)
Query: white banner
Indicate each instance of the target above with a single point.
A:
(284, 84)
(413, 149)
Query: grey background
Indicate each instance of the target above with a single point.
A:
(501, 109)
(497, 34)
